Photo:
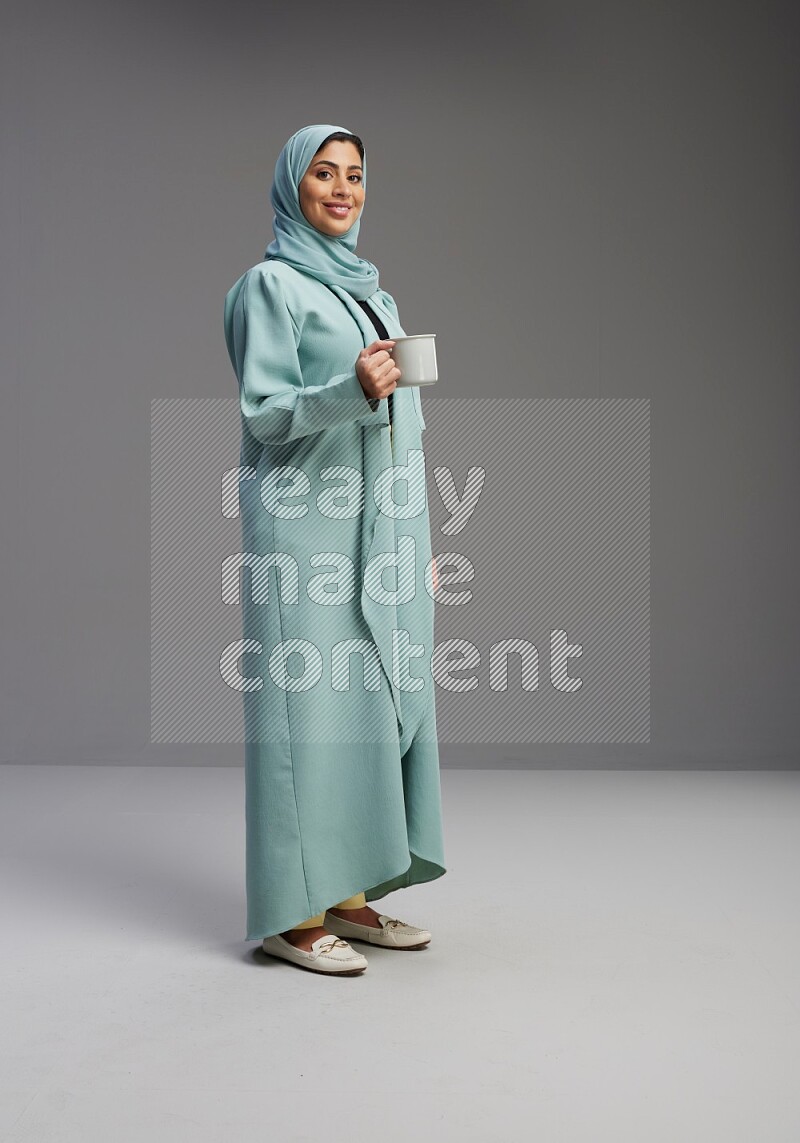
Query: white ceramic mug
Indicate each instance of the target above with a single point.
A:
(415, 357)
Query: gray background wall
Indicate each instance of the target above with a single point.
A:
(606, 192)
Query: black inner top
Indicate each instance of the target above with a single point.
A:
(382, 334)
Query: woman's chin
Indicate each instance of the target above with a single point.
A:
(334, 229)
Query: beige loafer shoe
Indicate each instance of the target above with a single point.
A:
(328, 954)
(392, 934)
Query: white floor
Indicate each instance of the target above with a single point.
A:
(615, 957)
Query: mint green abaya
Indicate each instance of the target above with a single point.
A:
(341, 770)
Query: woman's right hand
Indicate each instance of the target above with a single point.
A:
(376, 370)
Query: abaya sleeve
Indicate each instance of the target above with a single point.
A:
(263, 340)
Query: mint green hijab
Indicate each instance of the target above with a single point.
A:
(331, 260)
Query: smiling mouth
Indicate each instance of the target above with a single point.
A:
(340, 210)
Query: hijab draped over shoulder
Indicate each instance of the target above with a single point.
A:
(330, 259)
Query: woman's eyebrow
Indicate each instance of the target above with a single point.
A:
(352, 167)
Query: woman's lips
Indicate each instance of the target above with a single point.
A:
(338, 211)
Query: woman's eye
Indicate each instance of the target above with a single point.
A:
(358, 178)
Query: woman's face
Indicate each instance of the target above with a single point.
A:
(335, 175)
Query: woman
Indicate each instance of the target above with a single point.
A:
(341, 759)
